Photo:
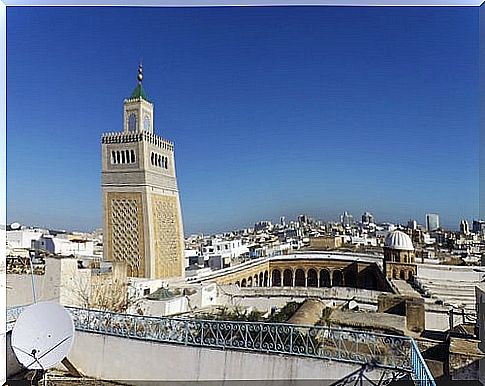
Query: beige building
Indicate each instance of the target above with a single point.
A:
(142, 216)
(326, 242)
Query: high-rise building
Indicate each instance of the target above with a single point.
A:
(142, 216)
(367, 218)
(346, 219)
(464, 227)
(432, 221)
(282, 221)
(412, 224)
(264, 225)
(303, 219)
(478, 226)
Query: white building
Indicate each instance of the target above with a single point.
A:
(384, 229)
(228, 249)
(64, 246)
(427, 239)
(362, 240)
(22, 238)
(140, 287)
(191, 257)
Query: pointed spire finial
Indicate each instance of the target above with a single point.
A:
(140, 72)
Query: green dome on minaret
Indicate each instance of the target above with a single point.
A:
(139, 92)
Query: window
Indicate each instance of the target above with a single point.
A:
(158, 160)
(132, 122)
(123, 156)
(146, 291)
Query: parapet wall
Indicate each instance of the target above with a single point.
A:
(122, 137)
(115, 358)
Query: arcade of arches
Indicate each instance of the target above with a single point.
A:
(309, 273)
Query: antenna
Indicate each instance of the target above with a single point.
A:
(42, 335)
(31, 256)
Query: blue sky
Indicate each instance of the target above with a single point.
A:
(273, 110)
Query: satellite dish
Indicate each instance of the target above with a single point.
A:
(42, 335)
(15, 225)
(353, 305)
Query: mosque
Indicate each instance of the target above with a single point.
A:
(326, 269)
(143, 227)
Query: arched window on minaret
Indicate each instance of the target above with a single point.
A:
(132, 122)
(159, 160)
(127, 155)
(133, 160)
(122, 157)
(166, 162)
(113, 157)
(118, 157)
(163, 162)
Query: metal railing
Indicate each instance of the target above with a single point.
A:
(321, 342)
(385, 351)
(419, 370)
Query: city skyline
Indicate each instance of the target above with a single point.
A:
(276, 221)
(302, 115)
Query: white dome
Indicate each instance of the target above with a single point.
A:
(399, 240)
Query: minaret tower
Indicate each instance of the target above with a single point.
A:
(142, 216)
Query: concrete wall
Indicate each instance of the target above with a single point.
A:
(409, 306)
(115, 358)
(168, 307)
(451, 272)
(334, 293)
(437, 321)
(62, 282)
(264, 298)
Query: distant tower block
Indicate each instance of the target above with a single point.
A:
(142, 217)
